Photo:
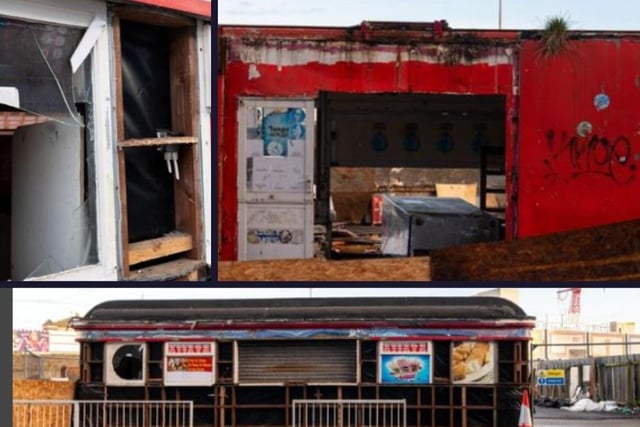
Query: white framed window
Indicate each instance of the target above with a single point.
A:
(90, 18)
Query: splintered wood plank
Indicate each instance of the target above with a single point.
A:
(146, 250)
(171, 270)
(124, 228)
(608, 252)
(149, 142)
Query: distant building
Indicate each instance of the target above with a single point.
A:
(622, 327)
(556, 344)
(511, 294)
(62, 338)
(54, 337)
(619, 338)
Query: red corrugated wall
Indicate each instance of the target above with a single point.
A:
(569, 181)
(300, 67)
(196, 7)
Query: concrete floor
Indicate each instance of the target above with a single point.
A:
(551, 417)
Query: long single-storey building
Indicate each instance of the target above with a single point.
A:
(544, 124)
(442, 361)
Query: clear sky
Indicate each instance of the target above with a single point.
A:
(33, 307)
(467, 14)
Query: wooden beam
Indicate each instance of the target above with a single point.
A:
(149, 142)
(146, 250)
(171, 270)
(152, 16)
(122, 177)
(183, 68)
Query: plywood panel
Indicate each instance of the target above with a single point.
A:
(467, 192)
(379, 269)
(161, 247)
(42, 389)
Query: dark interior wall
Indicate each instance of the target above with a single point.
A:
(5, 207)
(414, 130)
(147, 109)
(408, 143)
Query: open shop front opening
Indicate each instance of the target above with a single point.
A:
(401, 174)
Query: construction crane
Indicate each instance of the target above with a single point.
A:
(573, 315)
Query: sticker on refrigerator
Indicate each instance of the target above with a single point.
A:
(405, 362)
(280, 128)
(258, 236)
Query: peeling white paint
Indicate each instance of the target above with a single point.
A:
(253, 72)
(296, 53)
(89, 39)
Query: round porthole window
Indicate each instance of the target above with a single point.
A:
(128, 362)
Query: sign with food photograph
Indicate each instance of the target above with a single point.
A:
(189, 363)
(404, 362)
(473, 362)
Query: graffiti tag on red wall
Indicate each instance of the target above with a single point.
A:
(572, 157)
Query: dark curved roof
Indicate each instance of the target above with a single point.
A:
(307, 309)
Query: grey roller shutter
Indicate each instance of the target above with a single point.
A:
(267, 362)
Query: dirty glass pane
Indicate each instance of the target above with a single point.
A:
(35, 58)
(52, 181)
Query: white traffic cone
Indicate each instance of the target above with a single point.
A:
(525, 411)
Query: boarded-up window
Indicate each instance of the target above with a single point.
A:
(296, 361)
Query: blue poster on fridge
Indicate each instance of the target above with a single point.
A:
(405, 369)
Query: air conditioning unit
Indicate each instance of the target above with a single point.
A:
(125, 363)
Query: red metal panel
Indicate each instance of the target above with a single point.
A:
(264, 66)
(195, 7)
(568, 181)
(220, 158)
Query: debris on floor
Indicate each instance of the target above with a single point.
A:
(588, 405)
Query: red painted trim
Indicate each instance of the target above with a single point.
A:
(450, 338)
(511, 153)
(409, 338)
(220, 160)
(151, 339)
(353, 33)
(303, 325)
(349, 34)
(195, 7)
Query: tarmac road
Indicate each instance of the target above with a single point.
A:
(552, 417)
